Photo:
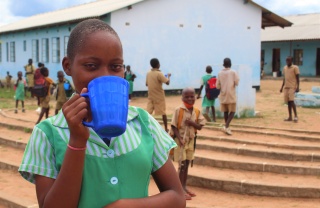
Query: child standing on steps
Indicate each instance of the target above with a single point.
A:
(19, 94)
(72, 166)
(206, 103)
(64, 91)
(186, 121)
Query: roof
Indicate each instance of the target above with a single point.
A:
(71, 14)
(270, 19)
(305, 27)
(102, 7)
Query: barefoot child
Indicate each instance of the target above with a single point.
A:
(19, 94)
(72, 166)
(184, 133)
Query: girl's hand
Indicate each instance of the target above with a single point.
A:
(75, 111)
(181, 142)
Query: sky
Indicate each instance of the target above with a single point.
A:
(13, 10)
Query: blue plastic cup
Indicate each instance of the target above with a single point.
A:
(108, 96)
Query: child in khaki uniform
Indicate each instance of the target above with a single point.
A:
(62, 93)
(184, 132)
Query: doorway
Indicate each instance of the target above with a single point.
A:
(318, 62)
(276, 60)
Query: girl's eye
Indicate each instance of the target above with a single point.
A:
(91, 66)
(116, 67)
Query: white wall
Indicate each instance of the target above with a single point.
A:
(229, 28)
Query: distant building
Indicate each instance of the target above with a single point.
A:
(301, 41)
(186, 36)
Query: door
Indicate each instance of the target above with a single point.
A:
(276, 60)
(318, 62)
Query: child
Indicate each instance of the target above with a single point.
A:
(44, 101)
(184, 133)
(129, 76)
(19, 95)
(8, 80)
(64, 91)
(206, 103)
(156, 95)
(73, 167)
(38, 77)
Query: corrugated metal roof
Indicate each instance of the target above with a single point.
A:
(83, 11)
(102, 7)
(305, 27)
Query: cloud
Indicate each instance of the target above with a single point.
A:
(13, 10)
(291, 7)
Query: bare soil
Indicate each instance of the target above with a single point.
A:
(272, 111)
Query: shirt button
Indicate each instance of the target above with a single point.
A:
(114, 180)
(110, 153)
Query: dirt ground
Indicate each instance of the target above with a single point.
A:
(272, 111)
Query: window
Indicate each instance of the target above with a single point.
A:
(0, 52)
(35, 50)
(7, 50)
(12, 52)
(24, 45)
(45, 50)
(66, 39)
(55, 50)
(298, 57)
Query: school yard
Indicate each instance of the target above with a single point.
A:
(270, 114)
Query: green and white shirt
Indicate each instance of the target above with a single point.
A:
(137, 153)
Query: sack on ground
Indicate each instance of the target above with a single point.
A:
(211, 89)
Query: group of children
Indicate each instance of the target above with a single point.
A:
(63, 90)
(72, 166)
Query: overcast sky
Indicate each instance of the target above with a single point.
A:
(13, 10)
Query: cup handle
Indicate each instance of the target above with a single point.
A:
(88, 124)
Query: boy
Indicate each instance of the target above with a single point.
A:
(30, 69)
(206, 103)
(156, 96)
(72, 166)
(291, 86)
(8, 80)
(185, 133)
(227, 81)
(63, 94)
(44, 101)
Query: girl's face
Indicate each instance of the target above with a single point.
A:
(19, 75)
(189, 97)
(100, 55)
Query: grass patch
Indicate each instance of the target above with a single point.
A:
(27, 130)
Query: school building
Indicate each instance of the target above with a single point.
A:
(185, 35)
(301, 41)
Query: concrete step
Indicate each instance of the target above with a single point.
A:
(260, 151)
(26, 197)
(266, 140)
(252, 163)
(255, 183)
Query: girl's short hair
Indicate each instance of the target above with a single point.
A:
(82, 30)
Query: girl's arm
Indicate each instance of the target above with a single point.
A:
(64, 191)
(171, 193)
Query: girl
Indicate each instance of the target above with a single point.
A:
(19, 94)
(73, 167)
(129, 76)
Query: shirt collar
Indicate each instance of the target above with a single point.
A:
(60, 121)
(155, 69)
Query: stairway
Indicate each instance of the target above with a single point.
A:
(257, 161)
(254, 161)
